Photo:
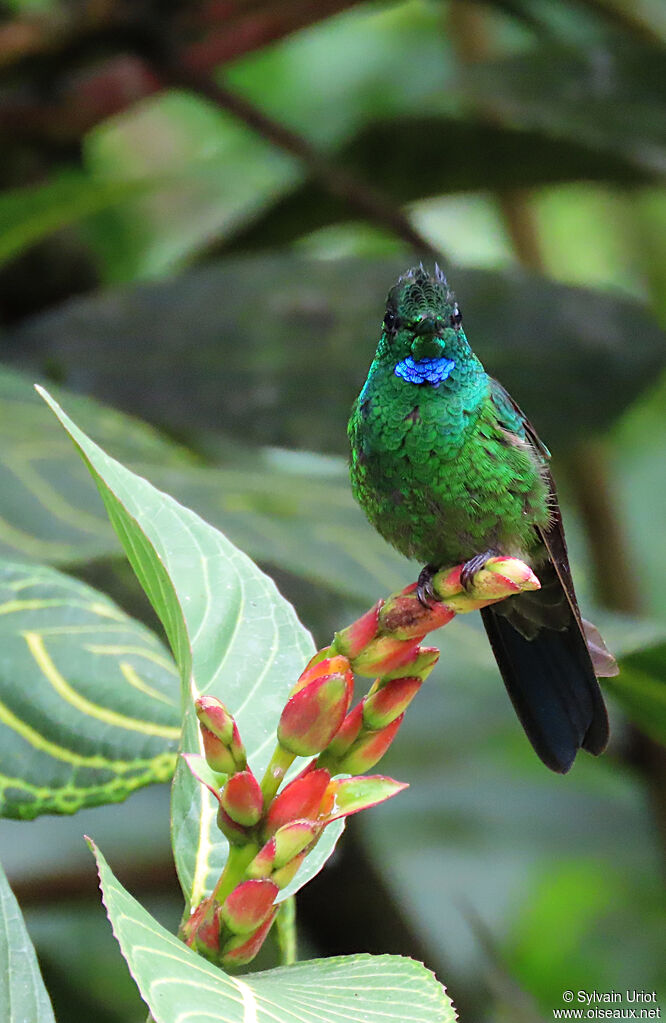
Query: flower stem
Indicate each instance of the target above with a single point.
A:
(280, 763)
(240, 856)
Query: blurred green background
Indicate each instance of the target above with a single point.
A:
(202, 208)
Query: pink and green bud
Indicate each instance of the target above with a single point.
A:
(351, 795)
(319, 667)
(389, 701)
(404, 617)
(300, 799)
(385, 654)
(355, 637)
(314, 714)
(236, 834)
(292, 839)
(242, 799)
(263, 863)
(201, 931)
(368, 749)
(346, 734)
(248, 906)
(223, 748)
(239, 950)
(214, 716)
(217, 754)
(285, 875)
(421, 666)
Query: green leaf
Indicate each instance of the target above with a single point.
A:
(640, 690)
(176, 983)
(29, 214)
(232, 634)
(89, 702)
(23, 997)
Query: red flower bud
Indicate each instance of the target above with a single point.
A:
(314, 714)
(346, 734)
(368, 749)
(263, 863)
(291, 839)
(201, 931)
(223, 748)
(236, 834)
(385, 654)
(355, 637)
(217, 754)
(248, 905)
(284, 875)
(404, 617)
(318, 667)
(420, 666)
(240, 950)
(300, 799)
(242, 799)
(381, 707)
(215, 717)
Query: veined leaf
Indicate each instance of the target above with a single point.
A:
(232, 634)
(89, 701)
(23, 996)
(177, 984)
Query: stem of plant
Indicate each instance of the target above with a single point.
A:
(240, 856)
(280, 763)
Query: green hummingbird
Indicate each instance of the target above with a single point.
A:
(449, 470)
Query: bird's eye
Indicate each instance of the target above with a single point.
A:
(391, 321)
(455, 318)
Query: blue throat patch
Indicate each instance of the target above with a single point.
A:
(425, 371)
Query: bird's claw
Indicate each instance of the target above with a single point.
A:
(471, 567)
(424, 588)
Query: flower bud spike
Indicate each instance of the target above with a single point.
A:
(218, 756)
(242, 799)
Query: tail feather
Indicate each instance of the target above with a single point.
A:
(551, 682)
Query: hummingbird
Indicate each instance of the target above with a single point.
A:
(449, 470)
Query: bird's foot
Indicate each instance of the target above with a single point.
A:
(424, 588)
(471, 567)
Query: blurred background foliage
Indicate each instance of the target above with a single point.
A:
(202, 208)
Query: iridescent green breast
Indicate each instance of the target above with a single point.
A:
(437, 474)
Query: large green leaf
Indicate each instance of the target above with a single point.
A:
(176, 983)
(231, 632)
(23, 997)
(89, 701)
(293, 512)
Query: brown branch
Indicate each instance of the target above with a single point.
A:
(363, 200)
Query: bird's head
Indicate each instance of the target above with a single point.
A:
(422, 334)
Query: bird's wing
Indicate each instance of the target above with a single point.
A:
(513, 419)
